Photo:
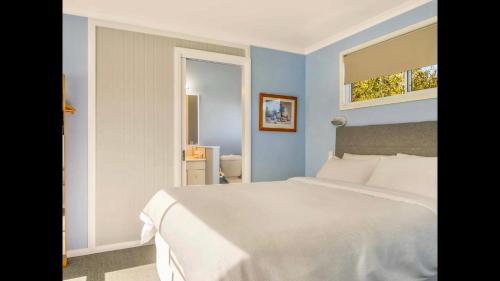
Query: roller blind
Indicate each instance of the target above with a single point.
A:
(408, 51)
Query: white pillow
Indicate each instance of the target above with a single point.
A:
(349, 170)
(417, 175)
(363, 156)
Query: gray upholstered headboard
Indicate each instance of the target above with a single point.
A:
(418, 138)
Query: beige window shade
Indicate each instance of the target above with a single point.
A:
(408, 51)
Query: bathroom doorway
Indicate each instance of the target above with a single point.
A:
(215, 118)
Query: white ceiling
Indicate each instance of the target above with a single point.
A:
(299, 26)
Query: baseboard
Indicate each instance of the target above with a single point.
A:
(105, 248)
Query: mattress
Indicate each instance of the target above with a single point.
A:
(300, 229)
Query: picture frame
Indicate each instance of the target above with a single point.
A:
(277, 112)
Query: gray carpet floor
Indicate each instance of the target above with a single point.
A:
(96, 265)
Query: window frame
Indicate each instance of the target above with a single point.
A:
(344, 90)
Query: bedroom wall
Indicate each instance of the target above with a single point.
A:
(75, 69)
(280, 155)
(75, 57)
(134, 125)
(277, 155)
(322, 83)
(219, 88)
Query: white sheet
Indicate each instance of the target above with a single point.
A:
(166, 264)
(410, 198)
(167, 272)
(300, 229)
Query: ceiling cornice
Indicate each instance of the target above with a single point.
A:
(159, 29)
(396, 11)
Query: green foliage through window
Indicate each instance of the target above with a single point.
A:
(379, 87)
(394, 84)
(424, 78)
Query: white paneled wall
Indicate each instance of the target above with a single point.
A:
(134, 136)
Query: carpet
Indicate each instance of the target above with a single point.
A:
(134, 264)
(142, 273)
(84, 278)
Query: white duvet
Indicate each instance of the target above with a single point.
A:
(303, 229)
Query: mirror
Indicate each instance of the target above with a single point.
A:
(193, 115)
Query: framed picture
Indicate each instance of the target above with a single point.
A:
(277, 113)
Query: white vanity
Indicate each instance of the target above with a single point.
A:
(202, 165)
(195, 170)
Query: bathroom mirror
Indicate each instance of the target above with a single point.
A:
(193, 115)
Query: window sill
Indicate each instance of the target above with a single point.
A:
(412, 96)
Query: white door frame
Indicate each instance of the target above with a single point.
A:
(92, 25)
(180, 56)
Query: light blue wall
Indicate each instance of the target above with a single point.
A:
(75, 69)
(322, 84)
(277, 155)
(219, 88)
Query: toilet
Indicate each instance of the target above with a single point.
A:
(231, 167)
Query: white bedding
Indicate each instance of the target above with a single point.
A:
(300, 229)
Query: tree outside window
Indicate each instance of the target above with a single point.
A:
(394, 84)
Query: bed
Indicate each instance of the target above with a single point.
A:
(304, 228)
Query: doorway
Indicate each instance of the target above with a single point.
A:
(212, 120)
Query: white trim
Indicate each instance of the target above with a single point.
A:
(183, 119)
(91, 126)
(330, 155)
(410, 96)
(104, 248)
(246, 106)
(177, 146)
(91, 132)
(145, 26)
(244, 62)
(153, 29)
(391, 13)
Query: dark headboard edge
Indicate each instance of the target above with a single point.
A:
(417, 138)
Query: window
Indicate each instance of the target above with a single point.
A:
(401, 66)
(423, 78)
(411, 81)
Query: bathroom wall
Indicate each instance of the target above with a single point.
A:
(219, 88)
(322, 84)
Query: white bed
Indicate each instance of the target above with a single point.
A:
(300, 229)
(354, 221)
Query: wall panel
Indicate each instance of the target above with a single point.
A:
(134, 126)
